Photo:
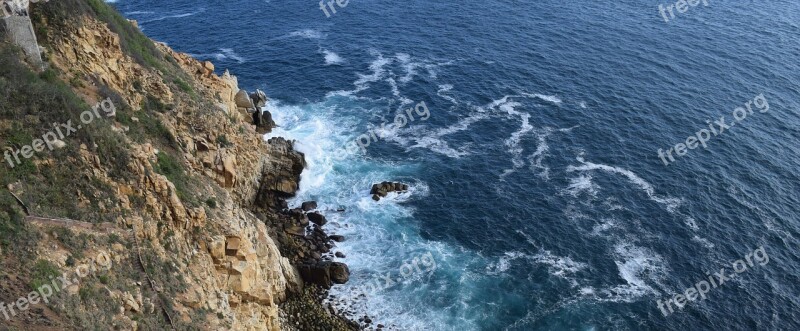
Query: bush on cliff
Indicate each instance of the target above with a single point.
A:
(31, 104)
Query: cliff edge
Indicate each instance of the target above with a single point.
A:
(176, 189)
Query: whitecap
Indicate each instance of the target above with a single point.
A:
(670, 203)
(229, 53)
(377, 72)
(443, 89)
(549, 98)
(307, 34)
(580, 184)
(641, 268)
(137, 12)
(332, 58)
(558, 266)
(174, 16)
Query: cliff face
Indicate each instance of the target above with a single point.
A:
(178, 199)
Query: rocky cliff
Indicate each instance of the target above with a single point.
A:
(179, 187)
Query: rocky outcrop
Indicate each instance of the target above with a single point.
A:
(317, 218)
(325, 274)
(280, 175)
(381, 190)
(237, 256)
(309, 205)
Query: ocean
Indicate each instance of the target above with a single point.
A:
(567, 165)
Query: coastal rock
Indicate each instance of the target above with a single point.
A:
(381, 190)
(280, 175)
(243, 100)
(340, 273)
(309, 205)
(317, 218)
(325, 274)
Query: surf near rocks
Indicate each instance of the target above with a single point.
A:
(383, 189)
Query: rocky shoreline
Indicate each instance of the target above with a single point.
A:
(301, 238)
(204, 193)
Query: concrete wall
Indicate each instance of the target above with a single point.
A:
(14, 7)
(19, 30)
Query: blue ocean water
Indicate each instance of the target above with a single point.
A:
(538, 199)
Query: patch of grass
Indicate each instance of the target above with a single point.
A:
(146, 127)
(184, 86)
(152, 103)
(75, 243)
(222, 140)
(15, 235)
(170, 167)
(31, 103)
(114, 239)
(42, 272)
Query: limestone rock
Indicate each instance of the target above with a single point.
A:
(243, 100)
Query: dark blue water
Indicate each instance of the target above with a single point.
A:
(538, 198)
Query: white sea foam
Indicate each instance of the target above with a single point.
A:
(408, 66)
(642, 269)
(434, 140)
(307, 34)
(600, 229)
(229, 53)
(222, 55)
(513, 142)
(549, 98)
(581, 184)
(332, 58)
(559, 266)
(182, 15)
(136, 12)
(703, 241)
(377, 73)
(446, 88)
(670, 203)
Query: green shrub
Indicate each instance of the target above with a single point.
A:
(42, 273)
(168, 166)
(33, 102)
(184, 86)
(223, 141)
